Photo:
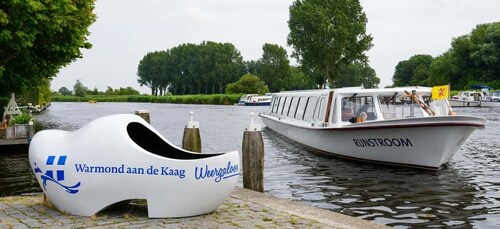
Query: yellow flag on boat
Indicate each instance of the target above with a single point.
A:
(440, 92)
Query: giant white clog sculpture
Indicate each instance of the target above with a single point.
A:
(121, 157)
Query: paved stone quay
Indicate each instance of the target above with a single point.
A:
(243, 209)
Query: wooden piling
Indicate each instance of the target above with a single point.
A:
(191, 139)
(31, 130)
(253, 158)
(143, 114)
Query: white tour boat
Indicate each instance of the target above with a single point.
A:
(402, 126)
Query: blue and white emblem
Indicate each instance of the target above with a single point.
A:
(59, 173)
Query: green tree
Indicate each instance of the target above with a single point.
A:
(37, 95)
(65, 91)
(37, 38)
(191, 69)
(274, 67)
(357, 75)
(150, 70)
(251, 67)
(299, 80)
(414, 71)
(95, 91)
(109, 91)
(472, 57)
(328, 34)
(127, 91)
(79, 89)
(247, 84)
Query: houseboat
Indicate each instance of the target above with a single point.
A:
(400, 126)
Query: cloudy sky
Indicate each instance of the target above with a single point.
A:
(126, 30)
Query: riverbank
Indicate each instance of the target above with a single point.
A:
(243, 209)
(215, 99)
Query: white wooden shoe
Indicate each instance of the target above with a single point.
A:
(122, 157)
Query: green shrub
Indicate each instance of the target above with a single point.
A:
(24, 118)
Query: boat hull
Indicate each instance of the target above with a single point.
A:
(257, 104)
(466, 103)
(420, 142)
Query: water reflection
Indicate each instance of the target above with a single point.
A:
(464, 194)
(16, 176)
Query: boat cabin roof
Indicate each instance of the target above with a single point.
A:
(357, 90)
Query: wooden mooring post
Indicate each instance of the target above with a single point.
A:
(253, 157)
(143, 114)
(191, 139)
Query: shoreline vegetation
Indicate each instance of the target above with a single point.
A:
(213, 99)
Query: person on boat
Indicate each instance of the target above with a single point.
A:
(362, 113)
(363, 109)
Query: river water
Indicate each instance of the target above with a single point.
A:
(464, 194)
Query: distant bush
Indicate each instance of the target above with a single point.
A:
(215, 99)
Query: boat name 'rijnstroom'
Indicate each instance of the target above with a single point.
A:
(382, 142)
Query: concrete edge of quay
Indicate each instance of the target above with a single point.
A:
(326, 217)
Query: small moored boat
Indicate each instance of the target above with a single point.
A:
(244, 98)
(264, 100)
(401, 126)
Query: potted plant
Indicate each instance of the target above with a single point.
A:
(21, 125)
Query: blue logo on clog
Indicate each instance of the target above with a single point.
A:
(59, 174)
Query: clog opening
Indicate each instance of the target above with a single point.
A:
(151, 142)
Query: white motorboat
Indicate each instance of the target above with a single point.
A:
(264, 100)
(401, 126)
(244, 98)
(254, 100)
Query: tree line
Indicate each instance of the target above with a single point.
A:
(80, 90)
(329, 40)
(211, 67)
(473, 59)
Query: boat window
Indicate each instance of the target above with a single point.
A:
(320, 110)
(286, 105)
(300, 108)
(293, 107)
(400, 106)
(280, 105)
(358, 106)
(275, 104)
(310, 108)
